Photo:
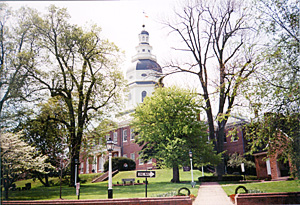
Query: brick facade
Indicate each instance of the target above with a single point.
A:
(235, 143)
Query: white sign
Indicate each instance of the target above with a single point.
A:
(145, 174)
(243, 167)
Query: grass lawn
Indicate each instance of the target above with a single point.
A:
(266, 187)
(159, 185)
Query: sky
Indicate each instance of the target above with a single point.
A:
(121, 21)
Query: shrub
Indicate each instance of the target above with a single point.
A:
(119, 162)
(224, 178)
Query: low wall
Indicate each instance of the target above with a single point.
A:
(180, 200)
(268, 198)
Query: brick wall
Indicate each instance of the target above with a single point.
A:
(237, 145)
(268, 198)
(182, 200)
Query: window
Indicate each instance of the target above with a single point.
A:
(125, 135)
(224, 137)
(144, 93)
(149, 161)
(81, 168)
(125, 155)
(234, 138)
(143, 50)
(132, 134)
(141, 161)
(143, 74)
(115, 137)
(100, 164)
(132, 156)
(107, 137)
(87, 166)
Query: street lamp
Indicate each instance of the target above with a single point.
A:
(191, 159)
(110, 148)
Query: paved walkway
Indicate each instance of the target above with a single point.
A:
(211, 193)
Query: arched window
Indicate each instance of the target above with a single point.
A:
(144, 93)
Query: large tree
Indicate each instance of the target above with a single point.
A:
(43, 130)
(276, 89)
(79, 66)
(168, 128)
(217, 34)
(17, 157)
(17, 52)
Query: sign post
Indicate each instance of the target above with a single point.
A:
(78, 190)
(145, 174)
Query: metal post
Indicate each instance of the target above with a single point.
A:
(76, 162)
(146, 188)
(110, 191)
(202, 171)
(192, 170)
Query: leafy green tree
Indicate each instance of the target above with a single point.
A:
(47, 134)
(218, 36)
(17, 52)
(274, 94)
(79, 66)
(168, 129)
(276, 133)
(17, 157)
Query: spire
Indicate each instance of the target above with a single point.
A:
(144, 36)
(144, 50)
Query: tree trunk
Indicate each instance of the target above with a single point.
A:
(220, 148)
(175, 174)
(46, 182)
(6, 188)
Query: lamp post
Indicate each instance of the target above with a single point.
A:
(76, 172)
(191, 159)
(110, 148)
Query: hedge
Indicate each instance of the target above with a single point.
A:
(121, 163)
(224, 178)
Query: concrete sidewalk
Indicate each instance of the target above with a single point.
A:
(212, 193)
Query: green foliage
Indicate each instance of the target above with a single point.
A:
(43, 130)
(168, 128)
(277, 134)
(82, 71)
(17, 53)
(235, 160)
(119, 162)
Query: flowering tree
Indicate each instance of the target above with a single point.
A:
(18, 157)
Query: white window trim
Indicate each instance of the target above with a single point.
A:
(132, 154)
(125, 133)
(115, 137)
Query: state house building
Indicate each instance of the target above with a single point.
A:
(142, 76)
